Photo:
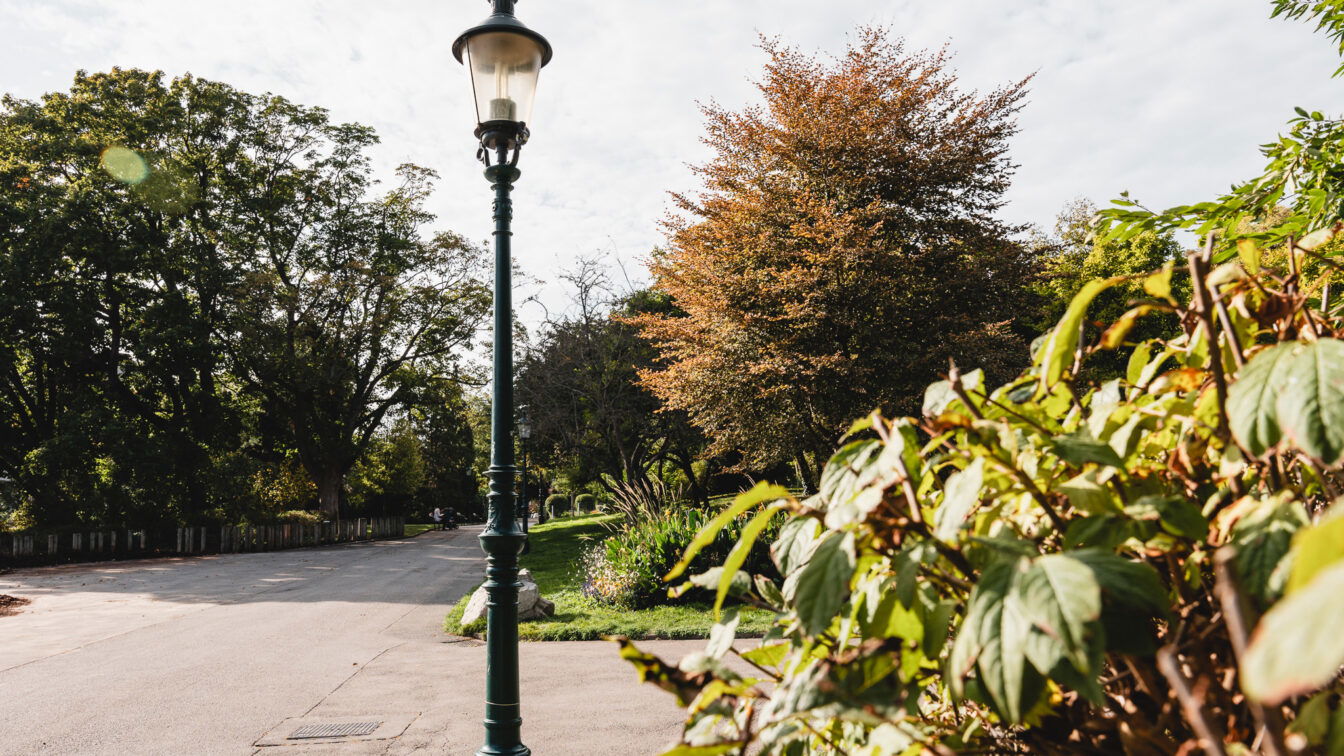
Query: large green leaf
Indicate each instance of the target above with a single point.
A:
(1316, 548)
(1061, 599)
(1086, 494)
(960, 495)
(1311, 405)
(1126, 585)
(1297, 647)
(1251, 399)
(1057, 352)
(794, 543)
(819, 588)
(738, 556)
(1080, 449)
(993, 640)
(1263, 537)
(759, 493)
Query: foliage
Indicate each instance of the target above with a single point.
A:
(299, 517)
(551, 559)
(841, 249)
(557, 504)
(594, 422)
(585, 502)
(199, 286)
(627, 568)
(644, 499)
(1147, 565)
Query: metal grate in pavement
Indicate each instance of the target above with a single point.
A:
(339, 730)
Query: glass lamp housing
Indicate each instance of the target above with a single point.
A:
(504, 67)
(525, 430)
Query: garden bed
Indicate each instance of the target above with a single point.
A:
(554, 562)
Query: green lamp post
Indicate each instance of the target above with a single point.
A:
(504, 58)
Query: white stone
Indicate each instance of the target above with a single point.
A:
(531, 605)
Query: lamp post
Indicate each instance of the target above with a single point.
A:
(524, 433)
(504, 58)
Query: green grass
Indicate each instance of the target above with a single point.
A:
(554, 564)
(415, 530)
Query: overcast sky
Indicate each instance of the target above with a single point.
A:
(1165, 98)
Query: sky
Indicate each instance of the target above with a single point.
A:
(1166, 99)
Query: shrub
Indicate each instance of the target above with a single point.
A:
(585, 502)
(627, 569)
(299, 517)
(643, 498)
(557, 504)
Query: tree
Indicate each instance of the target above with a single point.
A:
(842, 249)
(193, 282)
(592, 416)
(346, 307)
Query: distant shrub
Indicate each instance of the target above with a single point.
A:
(627, 569)
(585, 503)
(299, 517)
(557, 504)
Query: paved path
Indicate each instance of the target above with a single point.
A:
(212, 655)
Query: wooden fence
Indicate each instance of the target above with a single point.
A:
(35, 549)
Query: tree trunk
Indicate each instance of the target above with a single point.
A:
(329, 482)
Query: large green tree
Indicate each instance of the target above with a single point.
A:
(191, 276)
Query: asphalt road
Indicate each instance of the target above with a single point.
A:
(232, 654)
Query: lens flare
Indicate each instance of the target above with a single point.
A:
(124, 165)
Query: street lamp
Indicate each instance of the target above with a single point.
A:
(504, 58)
(524, 433)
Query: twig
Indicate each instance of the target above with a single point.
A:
(1234, 615)
(1194, 712)
(1201, 301)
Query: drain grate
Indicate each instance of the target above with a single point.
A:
(339, 730)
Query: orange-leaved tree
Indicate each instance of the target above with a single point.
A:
(842, 247)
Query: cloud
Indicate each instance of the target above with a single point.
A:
(1167, 100)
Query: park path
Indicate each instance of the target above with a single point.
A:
(214, 655)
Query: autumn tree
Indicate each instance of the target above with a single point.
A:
(842, 248)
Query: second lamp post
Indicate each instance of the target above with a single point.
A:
(504, 57)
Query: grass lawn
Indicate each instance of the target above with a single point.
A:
(416, 529)
(554, 564)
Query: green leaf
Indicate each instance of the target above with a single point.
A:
(1087, 495)
(1316, 548)
(738, 556)
(794, 543)
(1250, 255)
(1060, 598)
(759, 493)
(1251, 399)
(1079, 449)
(961, 493)
(1263, 538)
(819, 588)
(1311, 405)
(1057, 352)
(769, 592)
(1133, 587)
(769, 656)
(1297, 647)
(993, 640)
(1176, 514)
(1137, 360)
(722, 635)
